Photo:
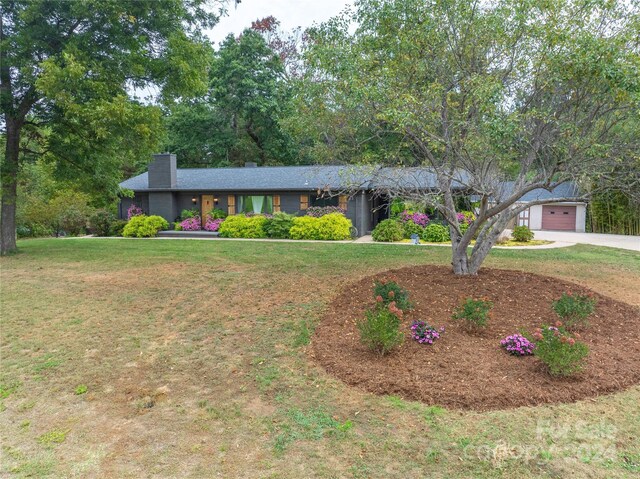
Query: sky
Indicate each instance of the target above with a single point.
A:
(291, 13)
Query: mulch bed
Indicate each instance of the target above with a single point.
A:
(470, 371)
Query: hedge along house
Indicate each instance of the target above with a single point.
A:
(166, 190)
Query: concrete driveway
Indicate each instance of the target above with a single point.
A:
(615, 241)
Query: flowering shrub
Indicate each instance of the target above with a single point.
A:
(562, 354)
(212, 224)
(191, 224)
(134, 210)
(574, 309)
(425, 334)
(388, 231)
(319, 211)
(380, 329)
(475, 313)
(518, 345)
(391, 291)
(465, 217)
(419, 219)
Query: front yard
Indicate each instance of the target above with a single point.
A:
(186, 358)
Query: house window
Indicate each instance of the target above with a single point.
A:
(255, 204)
(325, 201)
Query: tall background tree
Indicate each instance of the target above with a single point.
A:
(483, 93)
(239, 117)
(67, 70)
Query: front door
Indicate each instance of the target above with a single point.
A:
(206, 205)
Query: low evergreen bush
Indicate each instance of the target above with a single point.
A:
(388, 231)
(436, 233)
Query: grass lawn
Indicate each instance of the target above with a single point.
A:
(186, 358)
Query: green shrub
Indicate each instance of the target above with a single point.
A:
(474, 313)
(410, 228)
(396, 208)
(334, 226)
(562, 354)
(192, 213)
(117, 227)
(436, 233)
(388, 231)
(391, 291)
(574, 309)
(241, 226)
(380, 330)
(279, 226)
(217, 214)
(143, 226)
(101, 223)
(522, 234)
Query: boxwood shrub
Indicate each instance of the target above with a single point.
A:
(436, 233)
(241, 226)
(388, 231)
(143, 226)
(334, 226)
(279, 226)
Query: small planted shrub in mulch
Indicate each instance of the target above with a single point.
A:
(474, 314)
(390, 291)
(471, 371)
(562, 354)
(575, 309)
(380, 328)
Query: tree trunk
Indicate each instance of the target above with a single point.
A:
(460, 260)
(9, 176)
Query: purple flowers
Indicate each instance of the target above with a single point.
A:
(425, 334)
(420, 219)
(134, 210)
(191, 224)
(518, 345)
(212, 225)
(465, 218)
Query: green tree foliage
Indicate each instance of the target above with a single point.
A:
(66, 71)
(238, 119)
(538, 93)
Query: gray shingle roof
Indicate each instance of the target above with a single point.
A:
(275, 178)
(309, 178)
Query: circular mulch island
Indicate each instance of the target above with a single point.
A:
(471, 371)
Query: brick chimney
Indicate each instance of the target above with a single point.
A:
(163, 171)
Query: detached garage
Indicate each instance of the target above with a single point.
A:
(566, 216)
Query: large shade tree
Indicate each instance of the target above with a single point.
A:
(239, 117)
(67, 73)
(496, 99)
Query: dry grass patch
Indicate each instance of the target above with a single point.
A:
(194, 355)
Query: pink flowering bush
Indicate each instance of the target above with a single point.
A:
(191, 224)
(134, 210)
(518, 345)
(465, 217)
(420, 219)
(213, 225)
(425, 334)
(561, 353)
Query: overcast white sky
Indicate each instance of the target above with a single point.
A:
(291, 13)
